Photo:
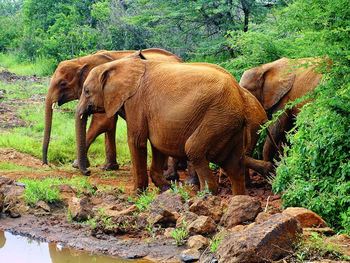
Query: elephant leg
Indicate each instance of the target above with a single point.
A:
(205, 176)
(110, 148)
(138, 152)
(193, 175)
(171, 173)
(195, 151)
(234, 166)
(262, 167)
(278, 132)
(156, 170)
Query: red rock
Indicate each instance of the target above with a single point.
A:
(306, 217)
(207, 206)
(197, 242)
(268, 241)
(242, 208)
(202, 225)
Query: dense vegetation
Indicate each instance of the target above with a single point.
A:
(237, 34)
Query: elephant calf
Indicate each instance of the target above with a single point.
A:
(274, 85)
(193, 111)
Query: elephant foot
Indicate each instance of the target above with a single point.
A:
(193, 180)
(172, 176)
(86, 172)
(76, 165)
(110, 166)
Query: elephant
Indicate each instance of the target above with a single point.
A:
(192, 111)
(66, 85)
(274, 85)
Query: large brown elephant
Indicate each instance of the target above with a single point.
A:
(66, 85)
(274, 85)
(189, 111)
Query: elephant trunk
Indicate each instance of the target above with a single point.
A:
(80, 131)
(47, 129)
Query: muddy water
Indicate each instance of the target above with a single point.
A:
(18, 249)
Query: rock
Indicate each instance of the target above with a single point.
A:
(242, 227)
(343, 241)
(13, 212)
(197, 242)
(262, 217)
(168, 232)
(128, 211)
(189, 255)
(187, 217)
(5, 181)
(209, 205)
(12, 195)
(324, 230)
(43, 205)
(66, 192)
(328, 261)
(2, 201)
(242, 208)
(80, 209)
(306, 217)
(202, 225)
(165, 208)
(268, 241)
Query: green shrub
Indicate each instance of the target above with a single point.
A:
(143, 200)
(180, 234)
(315, 170)
(181, 189)
(36, 190)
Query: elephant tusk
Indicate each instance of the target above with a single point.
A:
(81, 116)
(53, 105)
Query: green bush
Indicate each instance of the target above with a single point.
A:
(315, 171)
(37, 190)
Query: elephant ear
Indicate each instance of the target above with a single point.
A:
(82, 74)
(119, 82)
(277, 83)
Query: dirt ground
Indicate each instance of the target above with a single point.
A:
(258, 186)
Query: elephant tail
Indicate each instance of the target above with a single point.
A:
(246, 141)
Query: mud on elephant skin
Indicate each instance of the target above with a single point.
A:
(274, 85)
(189, 111)
(66, 85)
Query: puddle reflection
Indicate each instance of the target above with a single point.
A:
(18, 249)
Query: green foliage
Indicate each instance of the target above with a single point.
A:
(314, 171)
(13, 167)
(317, 244)
(41, 66)
(181, 189)
(180, 234)
(46, 191)
(205, 192)
(215, 242)
(37, 190)
(143, 200)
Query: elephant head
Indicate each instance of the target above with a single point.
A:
(269, 83)
(104, 92)
(66, 85)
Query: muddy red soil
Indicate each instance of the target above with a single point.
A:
(258, 187)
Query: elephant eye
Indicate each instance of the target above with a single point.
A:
(63, 84)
